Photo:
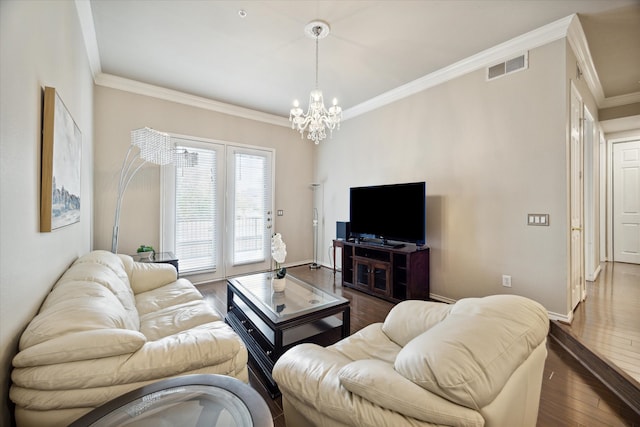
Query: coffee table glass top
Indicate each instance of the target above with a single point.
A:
(185, 401)
(298, 296)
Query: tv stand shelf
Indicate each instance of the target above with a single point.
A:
(393, 273)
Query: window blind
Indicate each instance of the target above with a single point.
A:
(197, 213)
(250, 206)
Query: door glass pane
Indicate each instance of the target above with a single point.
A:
(380, 279)
(250, 203)
(197, 213)
(362, 274)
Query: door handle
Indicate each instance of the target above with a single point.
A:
(576, 228)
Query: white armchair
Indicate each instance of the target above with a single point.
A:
(477, 362)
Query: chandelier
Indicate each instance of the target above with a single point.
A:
(318, 117)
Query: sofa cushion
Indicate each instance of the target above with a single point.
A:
(79, 306)
(83, 345)
(409, 319)
(172, 320)
(106, 269)
(145, 276)
(379, 383)
(469, 356)
(175, 293)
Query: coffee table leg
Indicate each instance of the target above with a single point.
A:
(346, 322)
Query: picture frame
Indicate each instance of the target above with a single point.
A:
(61, 165)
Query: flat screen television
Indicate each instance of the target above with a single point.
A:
(395, 212)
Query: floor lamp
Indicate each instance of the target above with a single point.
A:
(314, 265)
(147, 146)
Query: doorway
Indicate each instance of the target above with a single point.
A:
(217, 215)
(626, 201)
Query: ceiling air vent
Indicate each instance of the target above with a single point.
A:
(509, 66)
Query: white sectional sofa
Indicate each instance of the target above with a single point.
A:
(477, 362)
(111, 325)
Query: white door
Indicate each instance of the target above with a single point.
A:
(249, 223)
(576, 255)
(591, 197)
(626, 202)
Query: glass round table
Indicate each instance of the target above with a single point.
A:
(186, 401)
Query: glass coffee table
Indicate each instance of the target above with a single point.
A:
(270, 322)
(185, 401)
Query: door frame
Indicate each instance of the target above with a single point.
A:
(579, 226)
(614, 139)
(223, 272)
(591, 197)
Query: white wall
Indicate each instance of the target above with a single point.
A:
(490, 152)
(118, 112)
(40, 45)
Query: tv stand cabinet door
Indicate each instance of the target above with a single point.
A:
(362, 275)
(372, 276)
(381, 279)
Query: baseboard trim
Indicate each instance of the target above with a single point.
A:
(564, 318)
(619, 382)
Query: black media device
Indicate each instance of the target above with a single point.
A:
(395, 212)
(343, 230)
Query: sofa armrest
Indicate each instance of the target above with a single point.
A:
(377, 382)
(81, 345)
(211, 344)
(146, 276)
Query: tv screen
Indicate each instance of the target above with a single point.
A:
(390, 212)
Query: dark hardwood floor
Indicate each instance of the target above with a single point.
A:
(571, 394)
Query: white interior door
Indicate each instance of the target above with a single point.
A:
(591, 197)
(626, 202)
(576, 255)
(249, 210)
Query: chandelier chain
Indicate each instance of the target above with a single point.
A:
(317, 61)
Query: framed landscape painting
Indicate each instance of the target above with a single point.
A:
(61, 165)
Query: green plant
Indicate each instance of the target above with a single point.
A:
(146, 248)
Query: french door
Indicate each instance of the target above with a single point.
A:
(216, 214)
(249, 210)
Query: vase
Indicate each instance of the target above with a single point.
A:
(278, 285)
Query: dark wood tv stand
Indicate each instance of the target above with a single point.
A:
(395, 274)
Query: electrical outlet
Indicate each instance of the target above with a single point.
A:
(506, 281)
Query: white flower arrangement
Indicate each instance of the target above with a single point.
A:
(279, 253)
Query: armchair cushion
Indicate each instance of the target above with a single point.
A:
(377, 382)
(471, 368)
(410, 318)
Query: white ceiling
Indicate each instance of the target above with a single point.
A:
(264, 61)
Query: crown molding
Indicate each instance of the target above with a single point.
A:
(578, 42)
(83, 7)
(133, 86)
(568, 27)
(617, 101)
(535, 38)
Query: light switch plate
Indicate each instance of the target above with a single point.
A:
(538, 219)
